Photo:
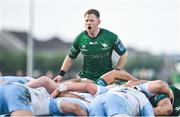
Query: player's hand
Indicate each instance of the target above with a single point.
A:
(130, 83)
(58, 78)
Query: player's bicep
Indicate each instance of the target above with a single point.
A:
(75, 50)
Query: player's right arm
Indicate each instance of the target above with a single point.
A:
(69, 60)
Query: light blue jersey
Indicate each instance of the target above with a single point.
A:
(55, 109)
(144, 89)
(121, 101)
(19, 79)
(14, 97)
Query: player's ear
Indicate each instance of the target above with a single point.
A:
(99, 21)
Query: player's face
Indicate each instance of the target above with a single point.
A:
(91, 23)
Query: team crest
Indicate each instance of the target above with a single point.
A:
(104, 45)
(83, 46)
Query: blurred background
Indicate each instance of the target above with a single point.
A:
(35, 35)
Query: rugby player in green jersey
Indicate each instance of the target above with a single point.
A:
(96, 45)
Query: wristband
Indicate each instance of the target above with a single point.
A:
(62, 73)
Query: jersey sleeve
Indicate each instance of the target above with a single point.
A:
(101, 90)
(119, 47)
(155, 99)
(147, 110)
(75, 50)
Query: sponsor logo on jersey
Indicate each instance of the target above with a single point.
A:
(93, 43)
(120, 46)
(97, 56)
(117, 41)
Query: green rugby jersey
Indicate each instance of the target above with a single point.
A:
(176, 103)
(97, 52)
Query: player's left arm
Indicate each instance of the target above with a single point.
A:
(121, 50)
(122, 61)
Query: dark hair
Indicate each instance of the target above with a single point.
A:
(93, 11)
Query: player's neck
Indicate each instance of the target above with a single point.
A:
(94, 34)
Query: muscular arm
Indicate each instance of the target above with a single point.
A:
(113, 75)
(76, 86)
(67, 63)
(132, 83)
(43, 81)
(122, 60)
(159, 86)
(164, 107)
(65, 67)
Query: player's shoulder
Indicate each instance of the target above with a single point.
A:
(110, 35)
(107, 31)
(81, 35)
